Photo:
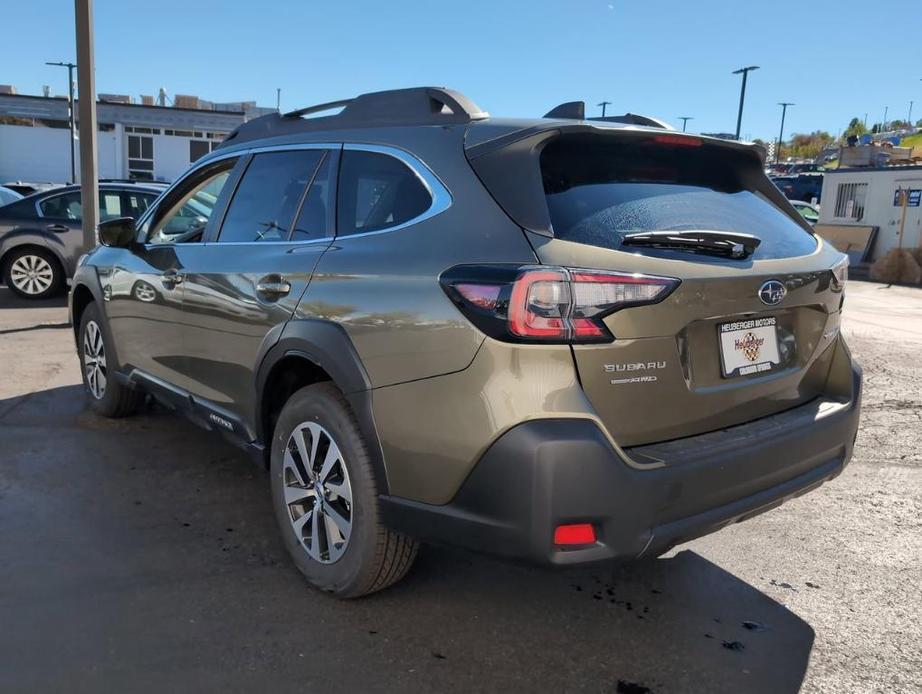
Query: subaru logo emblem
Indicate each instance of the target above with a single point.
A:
(772, 292)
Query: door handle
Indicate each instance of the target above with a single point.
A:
(170, 279)
(58, 228)
(273, 287)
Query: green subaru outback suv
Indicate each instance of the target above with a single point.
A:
(560, 340)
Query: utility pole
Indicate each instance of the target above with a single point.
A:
(744, 71)
(603, 104)
(784, 109)
(70, 115)
(883, 126)
(685, 120)
(89, 178)
(278, 99)
(909, 119)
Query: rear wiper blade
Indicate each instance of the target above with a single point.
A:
(723, 243)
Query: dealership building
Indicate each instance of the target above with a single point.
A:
(135, 140)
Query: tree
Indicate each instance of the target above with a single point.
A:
(855, 127)
(807, 146)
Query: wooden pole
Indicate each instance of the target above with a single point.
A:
(86, 84)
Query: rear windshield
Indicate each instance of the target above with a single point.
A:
(599, 191)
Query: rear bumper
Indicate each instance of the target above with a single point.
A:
(546, 473)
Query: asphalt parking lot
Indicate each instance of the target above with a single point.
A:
(142, 555)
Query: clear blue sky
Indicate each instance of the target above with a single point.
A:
(514, 58)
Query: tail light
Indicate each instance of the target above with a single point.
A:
(548, 304)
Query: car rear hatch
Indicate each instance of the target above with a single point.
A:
(744, 332)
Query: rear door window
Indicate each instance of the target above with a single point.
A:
(110, 205)
(315, 219)
(377, 191)
(69, 206)
(597, 192)
(264, 206)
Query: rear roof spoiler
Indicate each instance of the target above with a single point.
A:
(576, 110)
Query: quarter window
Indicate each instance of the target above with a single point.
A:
(264, 206)
(377, 191)
(65, 206)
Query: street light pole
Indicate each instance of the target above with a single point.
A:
(784, 109)
(883, 127)
(603, 104)
(909, 120)
(70, 114)
(744, 71)
(685, 120)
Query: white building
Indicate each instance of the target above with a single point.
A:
(871, 197)
(139, 141)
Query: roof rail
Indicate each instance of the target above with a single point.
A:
(413, 106)
(576, 110)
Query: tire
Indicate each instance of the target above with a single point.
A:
(33, 273)
(107, 395)
(368, 556)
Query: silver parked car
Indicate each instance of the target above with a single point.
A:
(7, 196)
(41, 235)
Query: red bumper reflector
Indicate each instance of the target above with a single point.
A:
(577, 534)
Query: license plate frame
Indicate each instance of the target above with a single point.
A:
(748, 347)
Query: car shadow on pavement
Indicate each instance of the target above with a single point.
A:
(8, 300)
(144, 554)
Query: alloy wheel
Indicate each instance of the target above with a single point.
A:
(94, 360)
(31, 274)
(318, 495)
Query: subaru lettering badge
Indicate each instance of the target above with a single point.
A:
(772, 292)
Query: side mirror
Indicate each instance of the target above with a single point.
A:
(117, 233)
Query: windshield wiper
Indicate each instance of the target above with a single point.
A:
(727, 244)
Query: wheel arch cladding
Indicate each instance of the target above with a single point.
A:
(81, 298)
(313, 351)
